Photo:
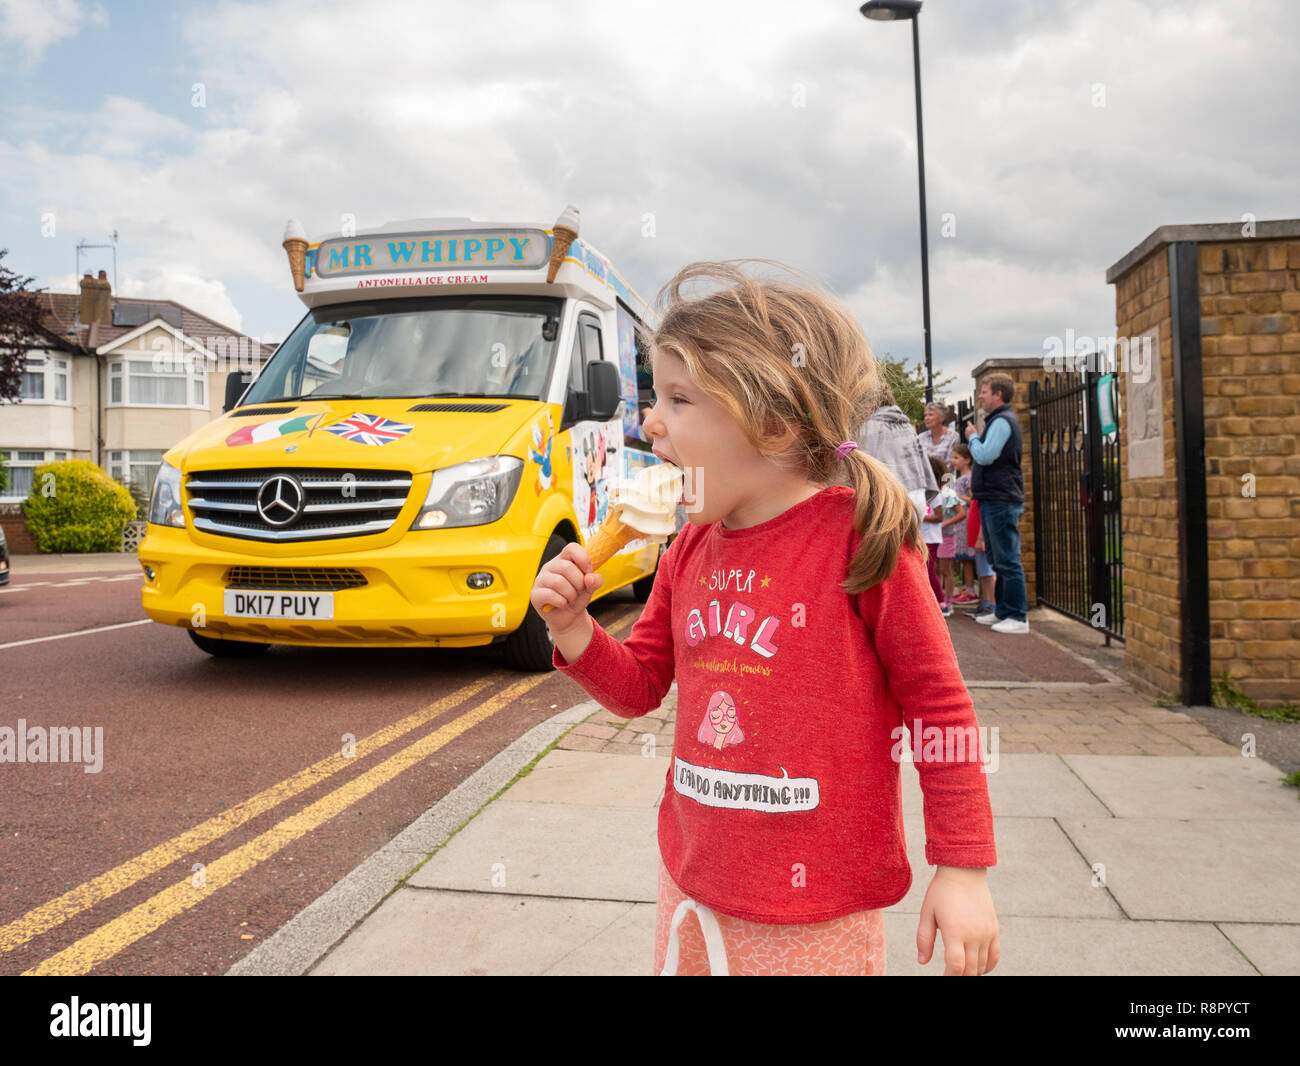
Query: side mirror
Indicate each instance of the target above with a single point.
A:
(237, 382)
(602, 391)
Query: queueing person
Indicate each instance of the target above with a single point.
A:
(975, 563)
(938, 437)
(998, 487)
(888, 436)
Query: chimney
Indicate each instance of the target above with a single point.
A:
(96, 300)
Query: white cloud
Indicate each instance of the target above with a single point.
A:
(689, 112)
(36, 24)
(127, 127)
(181, 283)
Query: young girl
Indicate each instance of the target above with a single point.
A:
(984, 571)
(961, 463)
(795, 615)
(953, 525)
(942, 543)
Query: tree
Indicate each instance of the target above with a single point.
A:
(909, 386)
(20, 326)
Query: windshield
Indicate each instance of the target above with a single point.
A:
(427, 346)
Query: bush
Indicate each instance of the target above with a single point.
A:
(75, 507)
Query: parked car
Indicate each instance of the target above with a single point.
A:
(4, 558)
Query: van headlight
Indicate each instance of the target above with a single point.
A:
(165, 501)
(470, 494)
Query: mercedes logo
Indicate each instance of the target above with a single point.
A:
(280, 500)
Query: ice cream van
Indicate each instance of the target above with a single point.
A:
(455, 407)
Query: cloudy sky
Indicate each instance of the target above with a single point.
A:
(1058, 134)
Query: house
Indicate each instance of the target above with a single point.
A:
(117, 381)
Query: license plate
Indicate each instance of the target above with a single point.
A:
(250, 603)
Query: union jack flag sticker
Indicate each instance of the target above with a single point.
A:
(369, 429)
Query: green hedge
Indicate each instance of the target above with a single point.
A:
(75, 507)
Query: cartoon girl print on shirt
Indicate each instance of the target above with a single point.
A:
(719, 727)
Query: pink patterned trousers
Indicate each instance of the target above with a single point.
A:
(851, 946)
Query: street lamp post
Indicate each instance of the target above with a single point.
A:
(892, 11)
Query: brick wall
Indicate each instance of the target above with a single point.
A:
(1250, 340)
(20, 541)
(1152, 601)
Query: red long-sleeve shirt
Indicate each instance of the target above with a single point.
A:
(784, 798)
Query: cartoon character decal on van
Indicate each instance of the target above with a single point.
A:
(540, 453)
(596, 453)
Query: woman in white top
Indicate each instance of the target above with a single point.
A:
(938, 438)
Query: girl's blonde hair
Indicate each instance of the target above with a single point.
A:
(777, 355)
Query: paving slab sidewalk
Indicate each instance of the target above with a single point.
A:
(1131, 841)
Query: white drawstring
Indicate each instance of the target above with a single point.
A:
(717, 951)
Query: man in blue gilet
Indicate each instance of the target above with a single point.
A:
(999, 488)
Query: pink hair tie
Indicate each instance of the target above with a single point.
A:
(845, 448)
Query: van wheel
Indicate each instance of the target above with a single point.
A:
(227, 649)
(530, 646)
(641, 589)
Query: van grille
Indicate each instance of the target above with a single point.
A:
(296, 503)
(462, 408)
(297, 578)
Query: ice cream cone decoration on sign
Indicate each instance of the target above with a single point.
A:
(643, 508)
(563, 234)
(295, 243)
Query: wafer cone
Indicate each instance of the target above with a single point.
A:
(612, 536)
(563, 234)
(297, 249)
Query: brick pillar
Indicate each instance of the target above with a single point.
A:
(1022, 369)
(1249, 340)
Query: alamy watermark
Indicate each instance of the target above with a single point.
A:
(221, 353)
(947, 744)
(1100, 355)
(37, 744)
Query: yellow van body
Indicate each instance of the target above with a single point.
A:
(309, 520)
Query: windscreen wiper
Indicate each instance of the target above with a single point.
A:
(343, 396)
(476, 396)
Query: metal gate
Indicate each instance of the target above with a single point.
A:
(1074, 438)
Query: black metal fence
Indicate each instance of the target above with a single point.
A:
(965, 414)
(1079, 551)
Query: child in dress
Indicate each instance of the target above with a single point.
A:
(795, 614)
(953, 527)
(942, 514)
(961, 464)
(932, 537)
(984, 571)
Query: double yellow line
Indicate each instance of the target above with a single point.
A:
(137, 923)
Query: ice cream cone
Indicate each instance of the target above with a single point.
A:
(647, 508)
(563, 234)
(611, 537)
(295, 243)
(297, 250)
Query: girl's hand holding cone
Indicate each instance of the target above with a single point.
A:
(564, 587)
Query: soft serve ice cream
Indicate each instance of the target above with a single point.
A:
(648, 504)
(645, 507)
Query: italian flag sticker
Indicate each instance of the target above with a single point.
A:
(268, 430)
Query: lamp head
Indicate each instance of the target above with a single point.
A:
(891, 10)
